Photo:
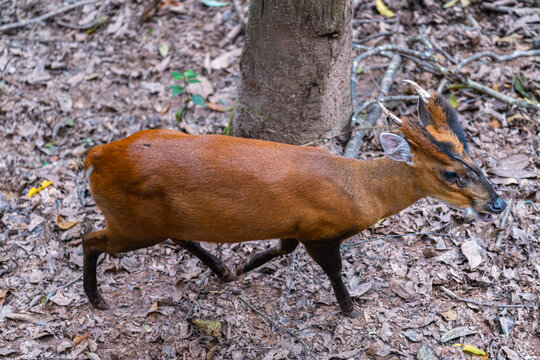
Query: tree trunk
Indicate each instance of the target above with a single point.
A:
(295, 71)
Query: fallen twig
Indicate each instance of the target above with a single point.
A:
(348, 245)
(393, 48)
(97, 21)
(504, 98)
(442, 85)
(290, 282)
(277, 325)
(314, 279)
(429, 66)
(428, 51)
(508, 9)
(197, 296)
(53, 291)
(502, 227)
(367, 38)
(46, 16)
(446, 55)
(496, 57)
(370, 21)
(351, 150)
(508, 306)
(386, 99)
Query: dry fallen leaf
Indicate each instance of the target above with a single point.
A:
(473, 253)
(153, 311)
(63, 223)
(449, 315)
(456, 333)
(214, 107)
(77, 339)
(3, 295)
(513, 166)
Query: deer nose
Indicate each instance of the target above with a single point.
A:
(497, 206)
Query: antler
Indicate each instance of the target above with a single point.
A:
(424, 95)
(389, 114)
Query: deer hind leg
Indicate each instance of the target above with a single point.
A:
(94, 244)
(327, 255)
(215, 264)
(286, 246)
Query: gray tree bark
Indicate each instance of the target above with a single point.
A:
(295, 71)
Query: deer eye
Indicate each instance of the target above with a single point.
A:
(450, 176)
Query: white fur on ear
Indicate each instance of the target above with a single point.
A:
(396, 148)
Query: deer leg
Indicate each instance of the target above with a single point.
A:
(286, 246)
(215, 264)
(94, 244)
(327, 255)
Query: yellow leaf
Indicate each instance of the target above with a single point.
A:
(382, 9)
(469, 349)
(35, 190)
(450, 4)
(452, 100)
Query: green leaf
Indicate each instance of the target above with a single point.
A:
(177, 75)
(178, 114)
(450, 4)
(193, 81)
(518, 86)
(456, 86)
(359, 69)
(198, 100)
(69, 122)
(214, 3)
(452, 100)
(88, 141)
(465, 3)
(164, 49)
(176, 90)
(190, 74)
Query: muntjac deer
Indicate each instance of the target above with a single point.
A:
(163, 184)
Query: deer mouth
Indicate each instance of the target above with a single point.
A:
(482, 216)
(485, 217)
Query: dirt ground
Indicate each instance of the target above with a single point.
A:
(65, 88)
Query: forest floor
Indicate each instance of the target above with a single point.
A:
(64, 89)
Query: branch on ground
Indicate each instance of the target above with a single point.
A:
(275, 323)
(46, 16)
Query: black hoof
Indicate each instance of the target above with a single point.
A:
(351, 314)
(98, 302)
(228, 277)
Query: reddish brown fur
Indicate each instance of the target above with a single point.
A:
(160, 184)
(225, 189)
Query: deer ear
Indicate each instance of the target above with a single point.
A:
(423, 114)
(396, 148)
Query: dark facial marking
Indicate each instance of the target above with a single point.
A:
(452, 120)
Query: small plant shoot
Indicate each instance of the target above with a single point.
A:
(185, 78)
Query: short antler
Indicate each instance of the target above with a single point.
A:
(389, 114)
(424, 95)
